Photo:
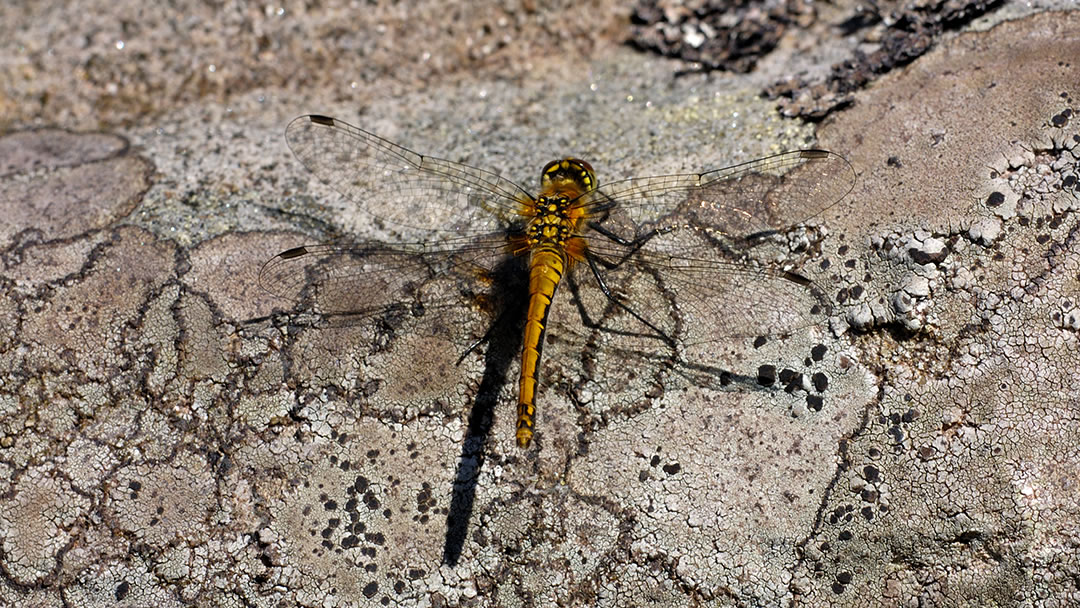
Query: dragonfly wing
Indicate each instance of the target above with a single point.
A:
(400, 186)
(361, 282)
(699, 290)
(767, 194)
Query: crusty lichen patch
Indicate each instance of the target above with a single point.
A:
(961, 487)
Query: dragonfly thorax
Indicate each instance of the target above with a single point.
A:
(554, 221)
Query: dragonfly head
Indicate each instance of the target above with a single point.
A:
(569, 175)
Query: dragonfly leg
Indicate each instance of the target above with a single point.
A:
(634, 244)
(592, 259)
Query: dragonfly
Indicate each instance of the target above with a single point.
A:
(690, 232)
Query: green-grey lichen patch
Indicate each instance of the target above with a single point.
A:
(124, 581)
(52, 197)
(725, 489)
(1001, 107)
(82, 323)
(359, 508)
(581, 539)
(226, 270)
(38, 522)
(961, 487)
(1003, 153)
(173, 502)
(49, 149)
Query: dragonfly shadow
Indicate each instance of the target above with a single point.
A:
(503, 345)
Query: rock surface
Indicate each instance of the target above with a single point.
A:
(170, 437)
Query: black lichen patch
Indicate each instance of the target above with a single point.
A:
(820, 382)
(717, 34)
(766, 375)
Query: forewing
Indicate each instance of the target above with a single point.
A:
(766, 194)
(400, 186)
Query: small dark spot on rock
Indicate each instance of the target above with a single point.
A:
(845, 535)
(837, 588)
(821, 382)
(760, 341)
(766, 375)
(995, 199)
(370, 590)
(897, 434)
(920, 256)
(894, 162)
(794, 383)
(655, 460)
(361, 484)
(818, 352)
(871, 473)
(814, 403)
(122, 590)
(867, 513)
(672, 468)
(371, 502)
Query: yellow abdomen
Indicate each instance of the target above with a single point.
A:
(545, 271)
